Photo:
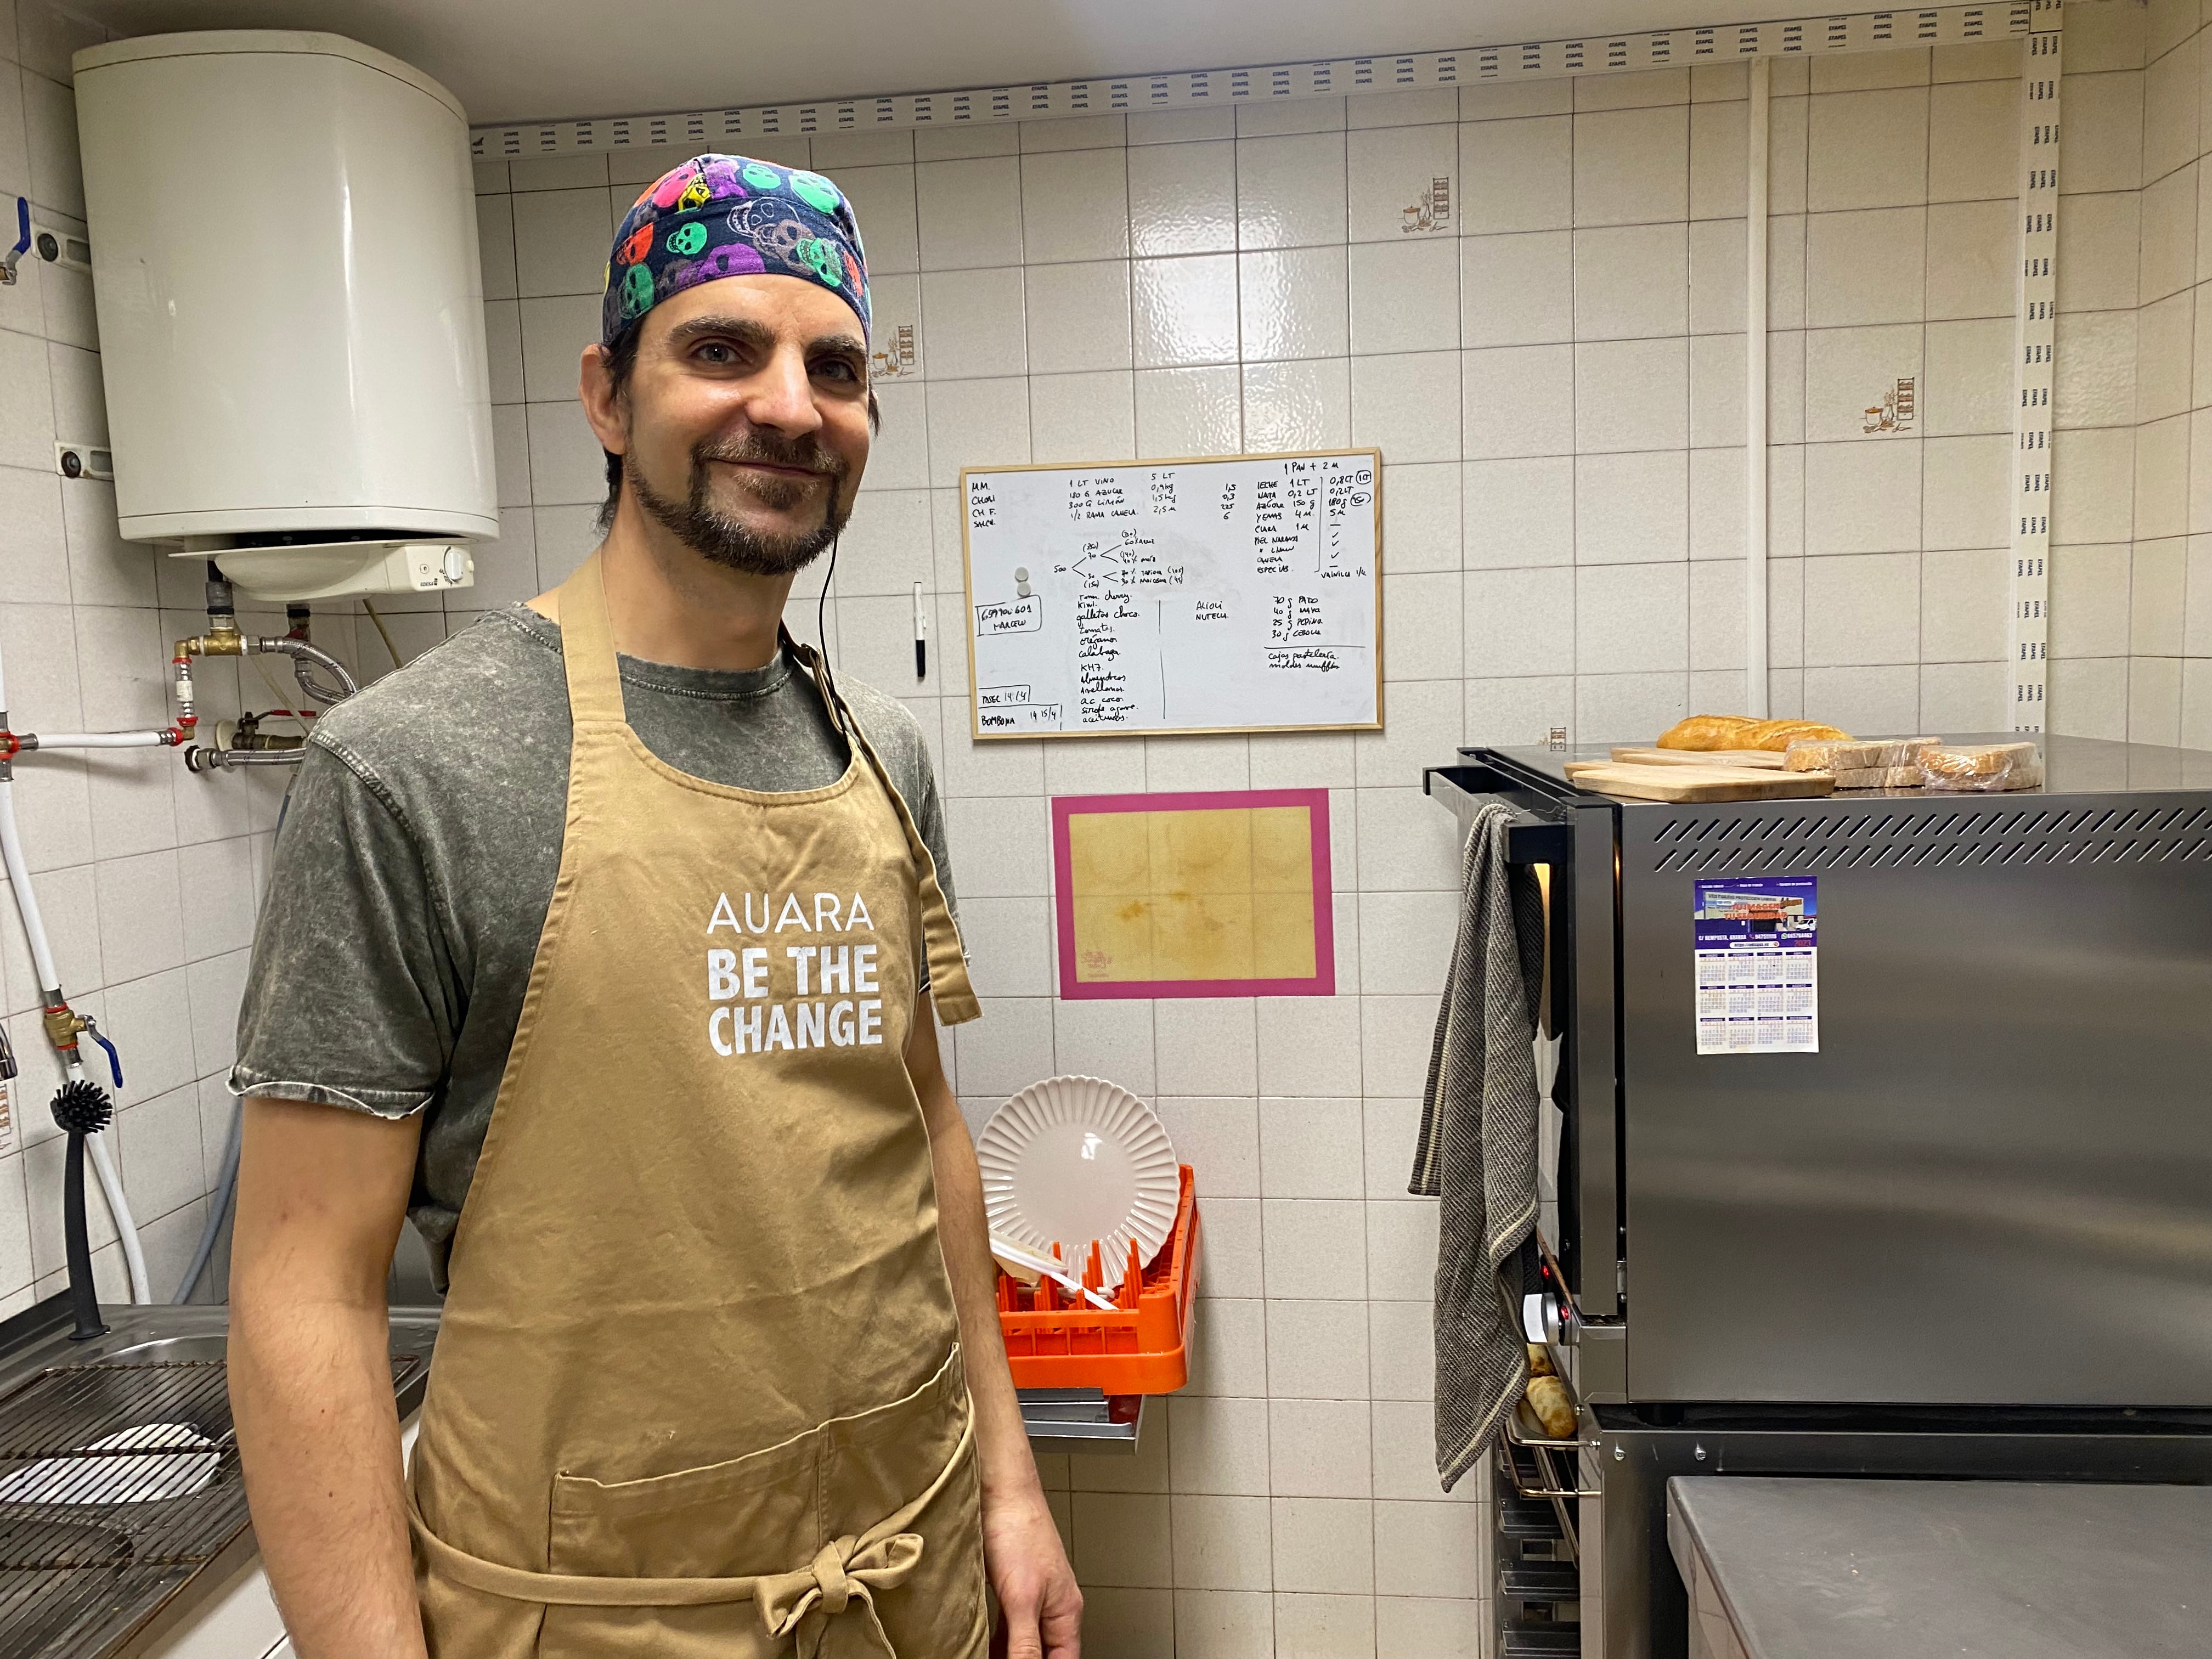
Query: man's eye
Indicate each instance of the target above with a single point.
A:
(836, 369)
(713, 351)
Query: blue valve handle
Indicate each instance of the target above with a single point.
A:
(22, 225)
(114, 1060)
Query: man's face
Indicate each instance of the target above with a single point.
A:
(744, 428)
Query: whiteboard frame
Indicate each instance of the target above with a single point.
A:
(968, 597)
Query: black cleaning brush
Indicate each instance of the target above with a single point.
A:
(82, 1108)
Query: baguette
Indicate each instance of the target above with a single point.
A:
(1706, 731)
(1778, 735)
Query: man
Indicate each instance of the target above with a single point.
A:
(625, 966)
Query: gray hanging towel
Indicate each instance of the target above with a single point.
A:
(1477, 1144)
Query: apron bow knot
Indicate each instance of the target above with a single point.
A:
(843, 1572)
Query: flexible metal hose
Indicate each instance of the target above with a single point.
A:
(303, 655)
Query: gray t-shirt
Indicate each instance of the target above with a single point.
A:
(417, 852)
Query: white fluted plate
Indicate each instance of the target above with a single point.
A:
(1074, 1158)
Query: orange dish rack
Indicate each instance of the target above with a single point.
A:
(1140, 1345)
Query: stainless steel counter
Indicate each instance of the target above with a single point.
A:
(1781, 1569)
(104, 1580)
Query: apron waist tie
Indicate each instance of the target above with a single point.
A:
(845, 1571)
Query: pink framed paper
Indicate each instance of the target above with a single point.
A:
(1203, 894)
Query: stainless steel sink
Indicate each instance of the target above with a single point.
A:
(106, 1580)
(170, 1351)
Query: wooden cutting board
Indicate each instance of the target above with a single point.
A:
(1766, 759)
(1697, 783)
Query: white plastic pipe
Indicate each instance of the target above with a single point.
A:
(1754, 395)
(101, 739)
(50, 979)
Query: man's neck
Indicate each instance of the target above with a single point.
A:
(668, 605)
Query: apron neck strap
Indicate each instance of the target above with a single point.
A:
(588, 647)
(949, 988)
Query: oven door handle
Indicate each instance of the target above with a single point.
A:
(1466, 790)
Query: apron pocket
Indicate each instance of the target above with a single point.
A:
(769, 1513)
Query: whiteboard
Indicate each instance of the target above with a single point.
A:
(1232, 593)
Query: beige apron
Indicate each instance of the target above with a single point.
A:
(697, 1389)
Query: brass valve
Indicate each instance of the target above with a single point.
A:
(63, 1024)
(222, 639)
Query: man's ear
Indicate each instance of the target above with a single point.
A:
(603, 401)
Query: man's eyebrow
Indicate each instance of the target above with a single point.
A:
(850, 343)
(739, 328)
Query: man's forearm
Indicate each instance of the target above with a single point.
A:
(1002, 1442)
(311, 1385)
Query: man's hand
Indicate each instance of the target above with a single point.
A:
(1041, 1610)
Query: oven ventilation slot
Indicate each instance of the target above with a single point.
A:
(1949, 837)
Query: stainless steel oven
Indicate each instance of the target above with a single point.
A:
(1980, 1216)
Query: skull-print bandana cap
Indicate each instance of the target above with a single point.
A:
(729, 216)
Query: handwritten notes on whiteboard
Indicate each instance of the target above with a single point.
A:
(1216, 595)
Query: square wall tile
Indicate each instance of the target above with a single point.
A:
(1632, 282)
(969, 213)
(1517, 174)
(2104, 132)
(1518, 400)
(1405, 296)
(1290, 191)
(1868, 149)
(1865, 267)
(1293, 304)
(1075, 206)
(1862, 609)
(1392, 173)
(561, 241)
(1220, 1542)
(1190, 411)
(1520, 622)
(1183, 198)
(1971, 249)
(1298, 405)
(1631, 167)
(1848, 372)
(1862, 497)
(2100, 241)
(1317, 1349)
(1973, 141)
(1518, 513)
(1407, 406)
(1631, 394)
(1323, 1545)
(1517, 289)
(1184, 311)
(974, 323)
(1631, 618)
(1632, 508)
(1079, 315)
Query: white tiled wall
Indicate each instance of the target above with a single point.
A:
(148, 877)
(2153, 366)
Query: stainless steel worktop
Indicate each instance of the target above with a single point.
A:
(1781, 1569)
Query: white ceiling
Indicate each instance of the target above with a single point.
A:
(511, 60)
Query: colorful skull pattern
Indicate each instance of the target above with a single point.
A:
(729, 216)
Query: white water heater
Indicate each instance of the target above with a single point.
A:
(291, 310)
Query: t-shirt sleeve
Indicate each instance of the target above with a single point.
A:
(348, 1002)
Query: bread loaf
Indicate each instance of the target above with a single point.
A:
(1539, 1361)
(1706, 731)
(1853, 755)
(1778, 735)
(1991, 766)
(1879, 777)
(1547, 1397)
